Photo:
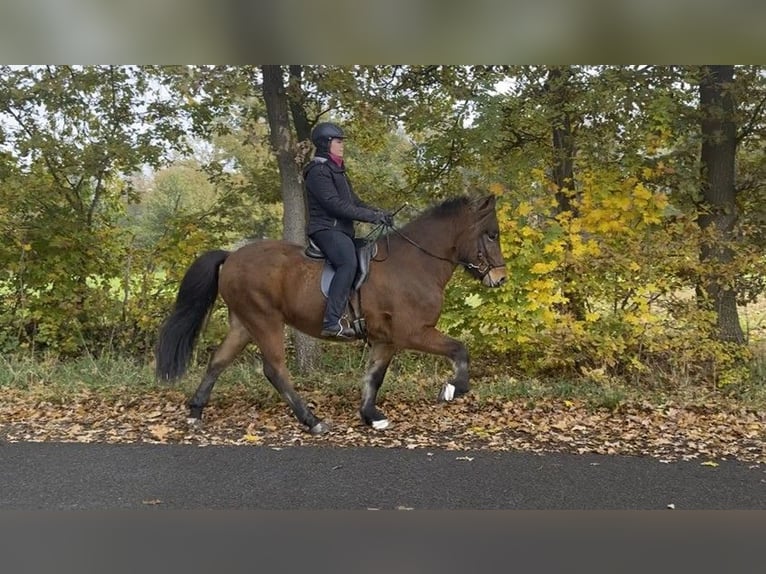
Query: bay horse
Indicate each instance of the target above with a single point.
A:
(269, 283)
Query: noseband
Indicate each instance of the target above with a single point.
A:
(485, 264)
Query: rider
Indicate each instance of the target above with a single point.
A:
(332, 208)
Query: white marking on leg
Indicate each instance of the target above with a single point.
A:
(320, 428)
(193, 422)
(381, 424)
(449, 392)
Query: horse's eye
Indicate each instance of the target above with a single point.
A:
(492, 235)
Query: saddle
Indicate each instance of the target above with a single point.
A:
(365, 251)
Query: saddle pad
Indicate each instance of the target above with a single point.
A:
(328, 271)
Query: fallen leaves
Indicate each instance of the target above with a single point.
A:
(160, 432)
(670, 432)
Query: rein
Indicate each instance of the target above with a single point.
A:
(424, 250)
(483, 271)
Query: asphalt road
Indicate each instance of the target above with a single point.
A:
(64, 476)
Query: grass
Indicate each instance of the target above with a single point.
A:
(536, 390)
(57, 379)
(412, 378)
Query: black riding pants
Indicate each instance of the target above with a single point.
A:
(340, 250)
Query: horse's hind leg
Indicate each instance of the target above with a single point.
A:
(236, 340)
(380, 358)
(271, 344)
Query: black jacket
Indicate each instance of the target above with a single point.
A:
(330, 199)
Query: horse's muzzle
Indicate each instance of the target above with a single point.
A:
(495, 277)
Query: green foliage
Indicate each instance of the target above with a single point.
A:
(91, 259)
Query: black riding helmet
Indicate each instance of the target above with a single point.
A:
(323, 133)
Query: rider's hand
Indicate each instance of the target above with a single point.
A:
(385, 218)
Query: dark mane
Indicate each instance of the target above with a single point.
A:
(447, 208)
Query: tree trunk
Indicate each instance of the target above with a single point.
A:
(563, 166)
(563, 138)
(718, 213)
(294, 218)
(296, 99)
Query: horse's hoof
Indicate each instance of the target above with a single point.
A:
(194, 422)
(374, 418)
(320, 428)
(447, 393)
(381, 424)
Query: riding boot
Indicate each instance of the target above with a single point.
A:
(338, 331)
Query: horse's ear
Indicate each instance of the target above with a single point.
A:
(484, 204)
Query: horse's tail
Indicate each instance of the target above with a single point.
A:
(179, 332)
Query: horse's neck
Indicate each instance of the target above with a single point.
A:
(438, 236)
(435, 242)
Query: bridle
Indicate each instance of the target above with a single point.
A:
(488, 264)
(483, 269)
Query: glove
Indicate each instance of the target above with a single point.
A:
(385, 219)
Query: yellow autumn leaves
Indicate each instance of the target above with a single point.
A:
(598, 252)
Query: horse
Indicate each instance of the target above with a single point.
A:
(270, 283)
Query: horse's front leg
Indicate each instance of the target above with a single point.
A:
(380, 358)
(432, 341)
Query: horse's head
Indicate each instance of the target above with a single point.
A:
(479, 250)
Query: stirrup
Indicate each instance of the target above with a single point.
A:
(338, 332)
(360, 327)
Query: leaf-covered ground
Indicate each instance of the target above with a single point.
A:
(668, 432)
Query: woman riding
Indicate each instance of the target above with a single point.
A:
(332, 208)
